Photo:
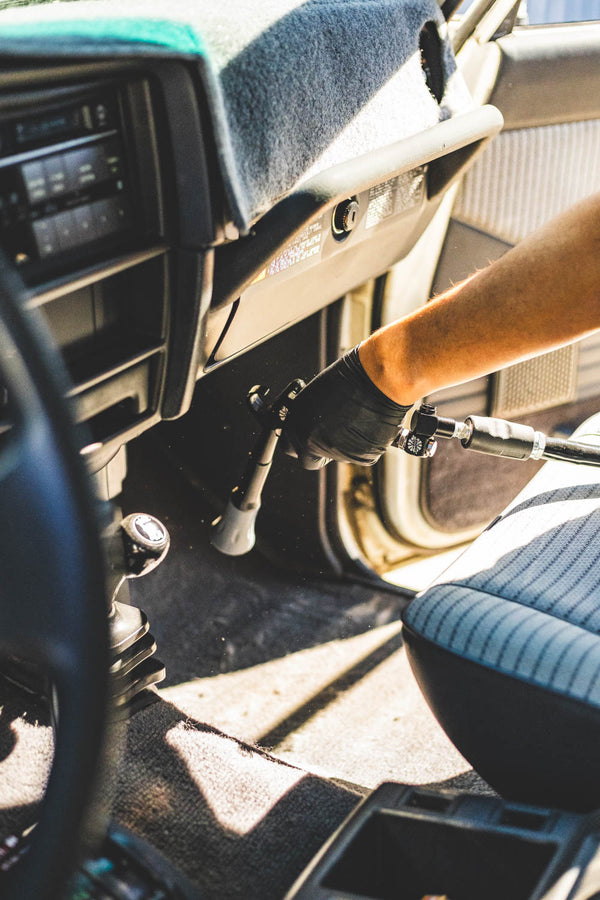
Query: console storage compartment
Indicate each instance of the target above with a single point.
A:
(394, 856)
(406, 843)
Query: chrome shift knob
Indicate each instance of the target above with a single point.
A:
(146, 542)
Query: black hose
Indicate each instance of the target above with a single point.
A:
(572, 451)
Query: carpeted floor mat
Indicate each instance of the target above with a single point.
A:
(26, 753)
(239, 823)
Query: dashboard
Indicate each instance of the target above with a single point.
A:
(114, 206)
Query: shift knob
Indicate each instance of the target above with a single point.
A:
(146, 542)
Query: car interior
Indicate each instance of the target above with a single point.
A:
(220, 676)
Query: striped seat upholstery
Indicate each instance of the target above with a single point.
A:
(506, 643)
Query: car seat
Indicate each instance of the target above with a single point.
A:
(505, 644)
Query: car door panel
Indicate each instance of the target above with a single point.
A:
(546, 158)
(548, 74)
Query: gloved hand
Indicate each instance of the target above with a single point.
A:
(341, 415)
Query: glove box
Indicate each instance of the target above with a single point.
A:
(408, 843)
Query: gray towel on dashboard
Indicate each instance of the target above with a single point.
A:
(293, 86)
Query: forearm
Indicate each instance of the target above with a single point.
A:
(542, 294)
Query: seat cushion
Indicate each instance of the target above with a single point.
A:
(506, 643)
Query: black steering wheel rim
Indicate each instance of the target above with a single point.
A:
(53, 599)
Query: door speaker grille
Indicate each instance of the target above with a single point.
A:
(535, 384)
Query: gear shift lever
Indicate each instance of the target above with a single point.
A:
(145, 543)
(136, 547)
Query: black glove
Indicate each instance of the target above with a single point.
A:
(341, 415)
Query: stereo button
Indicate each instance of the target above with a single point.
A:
(66, 230)
(101, 115)
(103, 218)
(86, 223)
(105, 214)
(114, 159)
(122, 211)
(34, 177)
(86, 167)
(56, 175)
(46, 238)
(111, 215)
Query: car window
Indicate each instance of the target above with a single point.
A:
(540, 12)
(548, 12)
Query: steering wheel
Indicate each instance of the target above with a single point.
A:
(53, 608)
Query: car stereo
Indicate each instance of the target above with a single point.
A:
(63, 179)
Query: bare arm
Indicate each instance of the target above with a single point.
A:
(540, 295)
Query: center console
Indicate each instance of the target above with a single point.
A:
(410, 843)
(113, 247)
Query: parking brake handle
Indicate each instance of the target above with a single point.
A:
(234, 533)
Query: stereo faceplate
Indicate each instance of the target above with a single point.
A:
(64, 182)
